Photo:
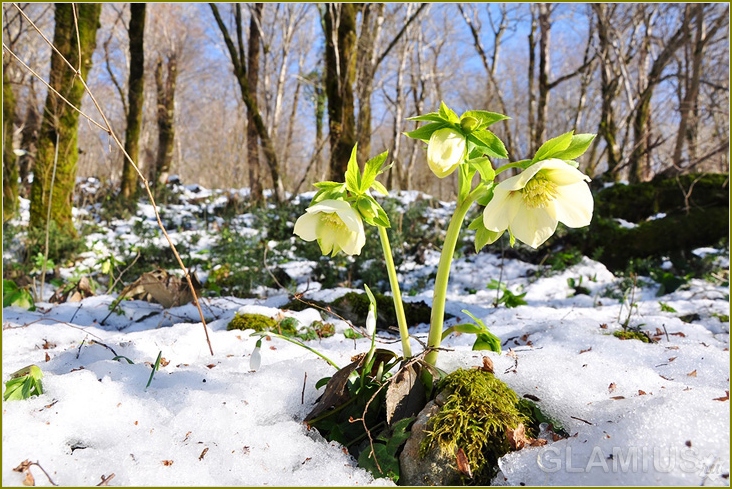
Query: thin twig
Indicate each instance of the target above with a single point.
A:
(119, 277)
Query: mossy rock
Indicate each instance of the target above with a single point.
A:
(473, 412)
(257, 322)
(354, 307)
(631, 334)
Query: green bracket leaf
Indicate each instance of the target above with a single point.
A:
(553, 147)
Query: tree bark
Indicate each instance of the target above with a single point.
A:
(339, 23)
(165, 90)
(135, 96)
(10, 163)
(61, 121)
(255, 37)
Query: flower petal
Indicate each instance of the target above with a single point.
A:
(501, 210)
(533, 226)
(306, 226)
(561, 173)
(574, 205)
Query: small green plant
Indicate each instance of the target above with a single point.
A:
(16, 296)
(23, 384)
(506, 297)
(577, 286)
(666, 308)
(155, 368)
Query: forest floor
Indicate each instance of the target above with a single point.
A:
(637, 413)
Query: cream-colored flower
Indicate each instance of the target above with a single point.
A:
(335, 225)
(531, 203)
(445, 151)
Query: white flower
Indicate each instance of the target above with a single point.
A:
(370, 323)
(335, 225)
(531, 203)
(256, 359)
(445, 151)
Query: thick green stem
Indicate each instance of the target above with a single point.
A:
(395, 292)
(443, 275)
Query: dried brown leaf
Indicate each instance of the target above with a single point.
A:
(692, 373)
(585, 351)
(725, 398)
(406, 394)
(463, 465)
(611, 387)
(487, 365)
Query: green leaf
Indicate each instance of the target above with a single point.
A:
(329, 190)
(465, 181)
(487, 341)
(486, 118)
(484, 167)
(489, 143)
(371, 170)
(553, 147)
(353, 173)
(371, 212)
(15, 296)
(577, 146)
(23, 384)
(483, 236)
(448, 114)
(155, 368)
(425, 132)
(379, 187)
(429, 117)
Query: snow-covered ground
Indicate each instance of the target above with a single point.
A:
(637, 413)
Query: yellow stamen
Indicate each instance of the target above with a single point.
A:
(539, 191)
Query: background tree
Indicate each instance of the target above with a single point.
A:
(10, 165)
(255, 41)
(54, 178)
(238, 60)
(135, 98)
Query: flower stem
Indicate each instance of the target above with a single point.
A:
(395, 292)
(437, 319)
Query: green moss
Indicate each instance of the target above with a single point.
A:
(478, 411)
(631, 334)
(257, 322)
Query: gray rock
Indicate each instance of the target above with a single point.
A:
(435, 468)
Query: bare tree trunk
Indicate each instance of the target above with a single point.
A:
(60, 122)
(639, 161)
(609, 88)
(339, 23)
(165, 118)
(532, 70)
(366, 56)
(238, 60)
(255, 38)
(28, 139)
(10, 163)
(542, 109)
(135, 97)
(687, 134)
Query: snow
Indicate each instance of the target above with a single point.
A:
(637, 414)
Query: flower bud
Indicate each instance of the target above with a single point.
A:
(468, 123)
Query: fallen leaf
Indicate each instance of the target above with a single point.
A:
(692, 373)
(617, 398)
(48, 357)
(678, 334)
(487, 365)
(517, 438)
(641, 393)
(585, 351)
(603, 326)
(167, 463)
(462, 463)
(725, 398)
(405, 395)
(532, 397)
(672, 359)
(611, 387)
(211, 365)
(164, 362)
(203, 453)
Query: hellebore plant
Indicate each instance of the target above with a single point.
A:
(548, 189)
